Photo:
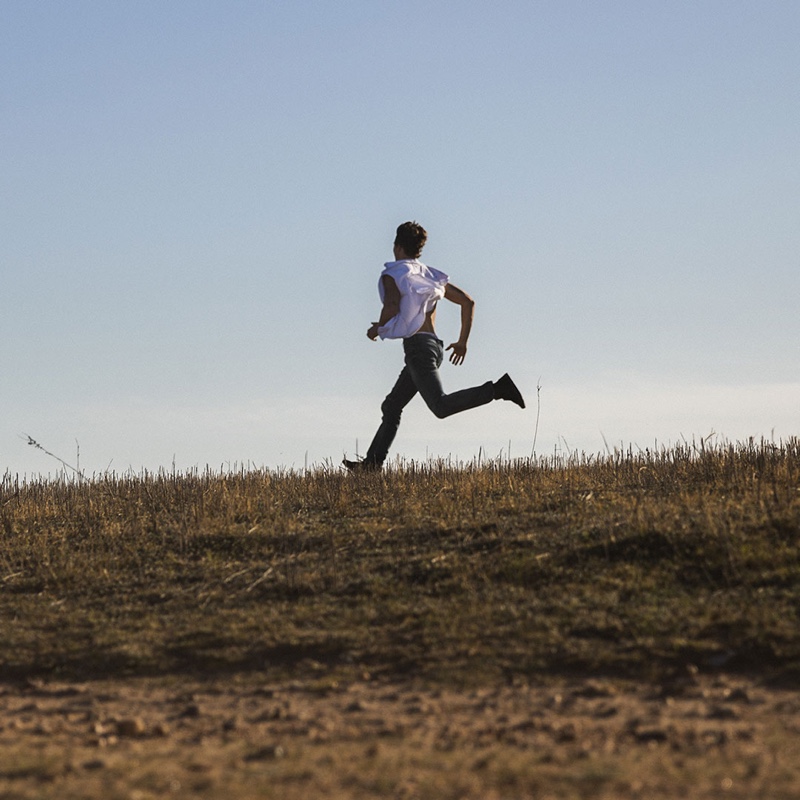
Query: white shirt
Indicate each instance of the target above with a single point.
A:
(420, 288)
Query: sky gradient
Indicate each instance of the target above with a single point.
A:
(198, 198)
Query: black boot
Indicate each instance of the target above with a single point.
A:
(360, 466)
(506, 389)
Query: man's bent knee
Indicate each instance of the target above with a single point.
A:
(439, 408)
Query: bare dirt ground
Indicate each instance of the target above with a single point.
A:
(697, 736)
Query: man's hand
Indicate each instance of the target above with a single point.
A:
(459, 353)
(372, 333)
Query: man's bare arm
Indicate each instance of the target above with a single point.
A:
(391, 305)
(461, 298)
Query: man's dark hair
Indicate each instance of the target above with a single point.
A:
(411, 236)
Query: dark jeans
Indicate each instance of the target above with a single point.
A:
(424, 355)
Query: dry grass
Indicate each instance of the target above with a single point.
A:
(634, 565)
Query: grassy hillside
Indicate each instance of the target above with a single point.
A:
(634, 564)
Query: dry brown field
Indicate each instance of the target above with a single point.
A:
(621, 626)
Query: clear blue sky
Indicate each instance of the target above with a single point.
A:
(196, 199)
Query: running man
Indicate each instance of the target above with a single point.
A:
(409, 291)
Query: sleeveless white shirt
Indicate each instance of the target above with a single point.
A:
(420, 288)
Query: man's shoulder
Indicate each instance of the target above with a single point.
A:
(397, 270)
(414, 270)
(404, 265)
